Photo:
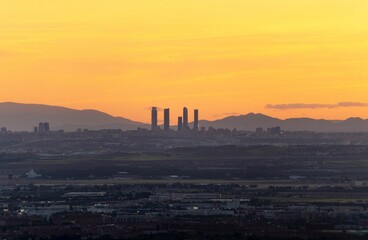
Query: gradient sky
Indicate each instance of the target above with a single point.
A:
(223, 57)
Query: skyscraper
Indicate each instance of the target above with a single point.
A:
(43, 127)
(154, 119)
(46, 126)
(196, 120)
(167, 119)
(185, 119)
(180, 123)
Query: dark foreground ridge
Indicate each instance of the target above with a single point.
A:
(224, 192)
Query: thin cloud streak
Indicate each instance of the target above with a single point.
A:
(227, 114)
(315, 105)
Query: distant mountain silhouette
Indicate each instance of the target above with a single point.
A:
(22, 117)
(252, 121)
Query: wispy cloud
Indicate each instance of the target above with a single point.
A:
(230, 113)
(315, 105)
(352, 104)
(226, 114)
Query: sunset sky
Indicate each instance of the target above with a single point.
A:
(284, 58)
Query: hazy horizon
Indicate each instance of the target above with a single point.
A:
(178, 110)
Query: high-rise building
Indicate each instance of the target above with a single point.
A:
(43, 127)
(3, 130)
(154, 119)
(196, 120)
(46, 126)
(274, 130)
(180, 123)
(167, 119)
(185, 119)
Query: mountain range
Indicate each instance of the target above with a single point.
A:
(252, 121)
(23, 117)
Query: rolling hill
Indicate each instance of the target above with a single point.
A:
(252, 121)
(23, 117)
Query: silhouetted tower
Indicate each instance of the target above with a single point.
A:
(154, 119)
(167, 119)
(180, 123)
(3, 130)
(185, 118)
(196, 120)
(43, 127)
(46, 126)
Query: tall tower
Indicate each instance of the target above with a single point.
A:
(46, 126)
(154, 119)
(196, 120)
(185, 118)
(167, 119)
(180, 123)
(43, 127)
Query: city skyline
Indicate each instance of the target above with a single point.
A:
(183, 120)
(175, 113)
(283, 58)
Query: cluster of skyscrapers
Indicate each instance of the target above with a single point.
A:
(43, 127)
(183, 121)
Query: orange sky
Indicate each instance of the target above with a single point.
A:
(223, 57)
